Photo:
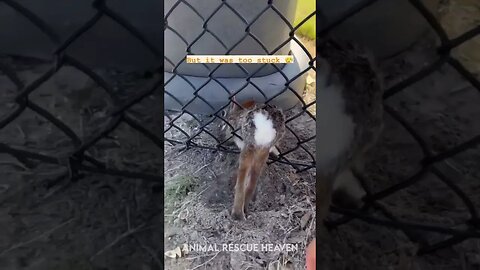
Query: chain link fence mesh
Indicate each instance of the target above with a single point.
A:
(77, 160)
(432, 161)
(203, 131)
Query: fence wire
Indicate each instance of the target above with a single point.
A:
(207, 127)
(78, 161)
(431, 160)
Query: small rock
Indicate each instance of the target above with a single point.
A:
(282, 199)
(305, 219)
(183, 215)
(227, 226)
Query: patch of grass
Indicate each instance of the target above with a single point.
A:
(305, 8)
(177, 189)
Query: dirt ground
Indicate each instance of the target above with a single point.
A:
(99, 222)
(283, 213)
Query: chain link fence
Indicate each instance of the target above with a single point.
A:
(63, 135)
(77, 160)
(432, 161)
(204, 132)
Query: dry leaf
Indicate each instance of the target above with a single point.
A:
(174, 253)
(171, 254)
(185, 249)
(310, 79)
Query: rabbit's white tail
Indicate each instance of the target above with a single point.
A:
(265, 133)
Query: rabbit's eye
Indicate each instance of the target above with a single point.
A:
(223, 113)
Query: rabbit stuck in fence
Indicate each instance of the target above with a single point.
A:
(349, 121)
(256, 129)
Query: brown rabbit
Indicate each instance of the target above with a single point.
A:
(257, 128)
(349, 122)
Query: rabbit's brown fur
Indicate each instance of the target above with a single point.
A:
(349, 70)
(254, 145)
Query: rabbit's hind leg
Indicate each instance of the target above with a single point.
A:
(324, 189)
(347, 190)
(259, 162)
(274, 150)
(244, 172)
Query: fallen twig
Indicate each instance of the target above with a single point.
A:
(204, 263)
(118, 239)
(22, 244)
(151, 252)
